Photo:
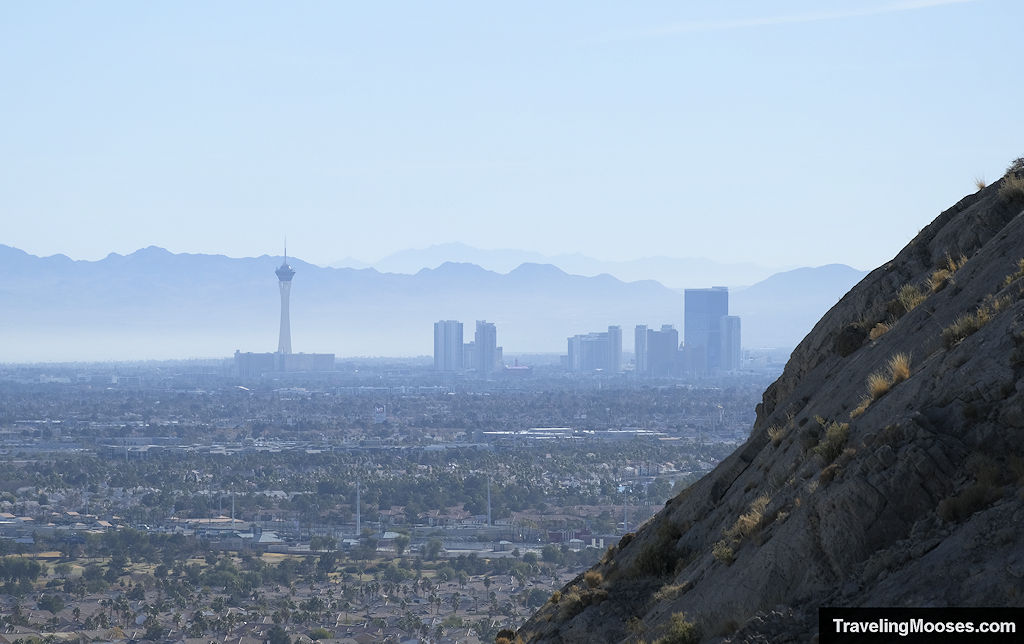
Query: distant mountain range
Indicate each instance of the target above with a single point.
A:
(156, 304)
(674, 272)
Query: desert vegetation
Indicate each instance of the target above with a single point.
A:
(880, 382)
(832, 444)
(1012, 186)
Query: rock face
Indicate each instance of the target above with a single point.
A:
(907, 490)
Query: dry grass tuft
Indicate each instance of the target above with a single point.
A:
(878, 385)
(953, 265)
(862, 407)
(1016, 275)
(909, 296)
(593, 578)
(748, 522)
(968, 323)
(939, 278)
(899, 367)
(878, 330)
(776, 434)
(980, 183)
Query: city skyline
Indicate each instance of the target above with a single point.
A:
(144, 306)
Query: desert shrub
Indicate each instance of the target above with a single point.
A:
(862, 407)
(834, 441)
(1016, 165)
(939, 278)
(954, 264)
(593, 578)
(655, 559)
(776, 434)
(609, 555)
(680, 631)
(669, 592)
(980, 183)
(1015, 275)
(1012, 187)
(878, 330)
(899, 368)
(965, 325)
(635, 626)
(556, 597)
(659, 556)
(574, 602)
(748, 522)
(960, 506)
(989, 476)
(507, 636)
(878, 384)
(723, 551)
(909, 296)
(829, 474)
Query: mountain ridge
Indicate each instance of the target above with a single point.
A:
(672, 271)
(211, 304)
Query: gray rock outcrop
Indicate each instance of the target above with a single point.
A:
(885, 467)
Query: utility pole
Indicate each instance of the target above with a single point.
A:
(359, 521)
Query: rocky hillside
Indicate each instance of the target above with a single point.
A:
(885, 467)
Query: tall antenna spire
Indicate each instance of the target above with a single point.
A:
(285, 273)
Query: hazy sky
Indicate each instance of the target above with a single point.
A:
(789, 132)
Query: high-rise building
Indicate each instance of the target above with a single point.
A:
(657, 352)
(730, 333)
(703, 310)
(448, 349)
(485, 352)
(662, 351)
(284, 276)
(615, 350)
(640, 348)
(596, 351)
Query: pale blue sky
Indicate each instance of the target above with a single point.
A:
(786, 133)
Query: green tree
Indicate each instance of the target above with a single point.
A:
(401, 543)
(277, 635)
(432, 549)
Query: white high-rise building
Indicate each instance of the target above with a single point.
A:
(448, 345)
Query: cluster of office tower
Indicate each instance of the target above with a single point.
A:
(481, 355)
(711, 344)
